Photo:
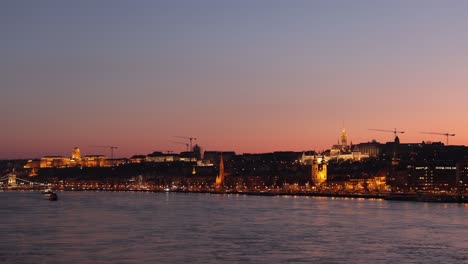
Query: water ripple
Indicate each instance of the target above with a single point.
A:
(102, 227)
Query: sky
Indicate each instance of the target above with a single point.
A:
(249, 76)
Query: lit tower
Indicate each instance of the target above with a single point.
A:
(344, 140)
(220, 177)
(76, 154)
(319, 171)
(12, 179)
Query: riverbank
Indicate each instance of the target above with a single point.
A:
(390, 197)
(412, 197)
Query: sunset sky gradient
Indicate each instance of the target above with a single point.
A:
(247, 75)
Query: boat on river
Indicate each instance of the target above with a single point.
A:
(49, 195)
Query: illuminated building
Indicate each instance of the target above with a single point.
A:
(344, 151)
(54, 162)
(11, 179)
(187, 156)
(344, 140)
(160, 157)
(462, 177)
(378, 183)
(137, 158)
(319, 171)
(76, 154)
(438, 177)
(372, 184)
(342, 146)
(34, 165)
(63, 162)
(94, 161)
(75, 157)
(157, 156)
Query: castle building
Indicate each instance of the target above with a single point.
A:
(342, 146)
(345, 151)
(94, 161)
(64, 162)
(76, 154)
(54, 162)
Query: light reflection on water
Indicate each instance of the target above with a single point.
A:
(104, 227)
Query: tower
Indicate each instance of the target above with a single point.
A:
(319, 171)
(76, 154)
(12, 179)
(344, 139)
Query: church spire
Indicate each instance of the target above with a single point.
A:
(220, 177)
(344, 138)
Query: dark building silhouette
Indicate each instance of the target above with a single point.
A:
(215, 156)
(373, 149)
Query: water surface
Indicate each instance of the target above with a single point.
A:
(130, 227)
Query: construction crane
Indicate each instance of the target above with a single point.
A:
(182, 143)
(441, 134)
(190, 139)
(112, 148)
(395, 131)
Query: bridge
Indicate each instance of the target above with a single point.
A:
(11, 181)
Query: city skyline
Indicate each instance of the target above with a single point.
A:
(112, 151)
(247, 76)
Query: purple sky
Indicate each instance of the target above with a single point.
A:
(248, 76)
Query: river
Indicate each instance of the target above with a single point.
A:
(136, 227)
